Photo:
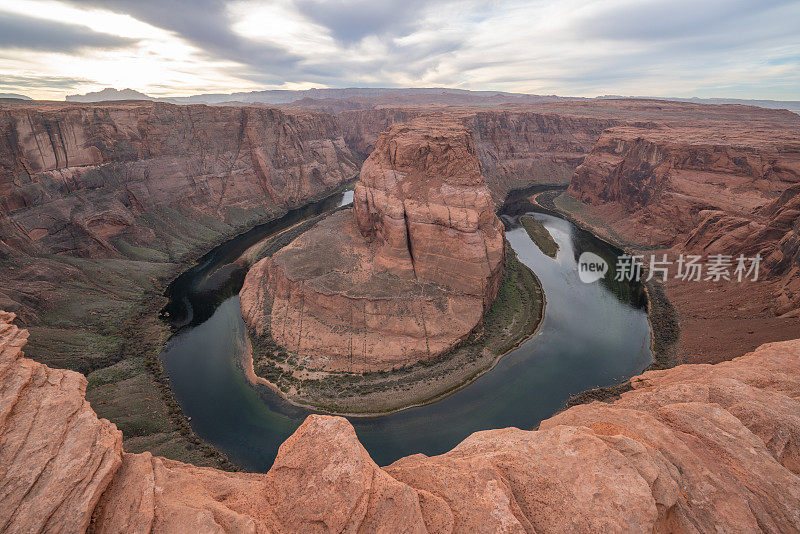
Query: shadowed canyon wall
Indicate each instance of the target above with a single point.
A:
(102, 205)
(78, 180)
(705, 181)
(731, 190)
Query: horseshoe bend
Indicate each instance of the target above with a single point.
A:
(403, 276)
(292, 307)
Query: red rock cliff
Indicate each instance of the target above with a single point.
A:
(516, 148)
(77, 179)
(730, 190)
(693, 449)
(405, 277)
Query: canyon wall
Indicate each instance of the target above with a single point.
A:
(79, 179)
(361, 128)
(404, 277)
(694, 448)
(102, 205)
(145, 183)
(517, 147)
(730, 190)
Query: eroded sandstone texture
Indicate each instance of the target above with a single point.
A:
(517, 147)
(705, 185)
(692, 449)
(78, 179)
(404, 276)
(145, 182)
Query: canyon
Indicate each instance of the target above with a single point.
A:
(689, 449)
(403, 278)
(728, 186)
(101, 205)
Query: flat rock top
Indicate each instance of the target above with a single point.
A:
(334, 258)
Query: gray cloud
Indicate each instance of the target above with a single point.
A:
(351, 20)
(652, 20)
(486, 44)
(21, 32)
(22, 83)
(204, 23)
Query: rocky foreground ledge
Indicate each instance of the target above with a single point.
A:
(694, 448)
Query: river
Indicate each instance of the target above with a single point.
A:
(592, 335)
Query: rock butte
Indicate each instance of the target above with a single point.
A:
(104, 181)
(404, 276)
(691, 449)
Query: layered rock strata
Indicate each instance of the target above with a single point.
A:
(145, 182)
(76, 179)
(692, 449)
(403, 277)
(517, 147)
(731, 191)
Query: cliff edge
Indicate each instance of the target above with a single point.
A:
(694, 448)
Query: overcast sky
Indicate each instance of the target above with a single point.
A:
(708, 48)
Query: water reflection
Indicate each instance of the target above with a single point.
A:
(592, 334)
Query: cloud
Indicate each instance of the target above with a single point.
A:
(352, 20)
(22, 32)
(204, 23)
(650, 20)
(569, 47)
(10, 81)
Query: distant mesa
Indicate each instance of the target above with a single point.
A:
(15, 95)
(109, 94)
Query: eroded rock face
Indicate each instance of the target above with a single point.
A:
(423, 204)
(78, 179)
(693, 448)
(404, 277)
(733, 191)
(516, 148)
(56, 456)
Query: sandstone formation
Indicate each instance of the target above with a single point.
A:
(147, 181)
(76, 179)
(101, 205)
(56, 456)
(516, 147)
(695, 448)
(725, 182)
(670, 181)
(361, 128)
(404, 277)
(100, 202)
